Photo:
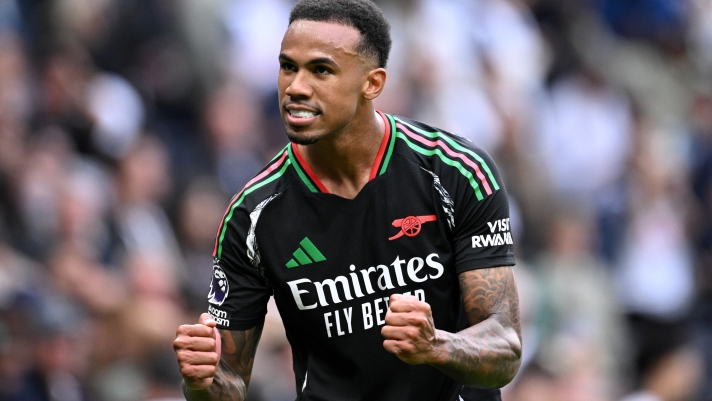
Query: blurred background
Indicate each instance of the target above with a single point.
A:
(126, 125)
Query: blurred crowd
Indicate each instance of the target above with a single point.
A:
(126, 125)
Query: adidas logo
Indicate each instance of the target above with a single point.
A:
(306, 254)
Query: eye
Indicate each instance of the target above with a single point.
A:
(321, 70)
(287, 66)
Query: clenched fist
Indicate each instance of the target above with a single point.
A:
(409, 331)
(197, 348)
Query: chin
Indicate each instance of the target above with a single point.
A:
(302, 140)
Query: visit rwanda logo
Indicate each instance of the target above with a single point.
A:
(305, 254)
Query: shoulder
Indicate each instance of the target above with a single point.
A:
(272, 179)
(454, 159)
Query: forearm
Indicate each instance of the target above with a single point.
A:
(223, 388)
(484, 355)
(488, 353)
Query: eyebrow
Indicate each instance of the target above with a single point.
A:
(318, 60)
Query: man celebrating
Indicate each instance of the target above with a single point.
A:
(385, 242)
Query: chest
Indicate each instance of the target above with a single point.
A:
(335, 261)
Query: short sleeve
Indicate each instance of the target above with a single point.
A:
(238, 292)
(482, 232)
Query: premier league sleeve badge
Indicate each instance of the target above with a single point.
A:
(218, 286)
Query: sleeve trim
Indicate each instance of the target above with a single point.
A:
(485, 263)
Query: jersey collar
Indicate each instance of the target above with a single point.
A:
(379, 166)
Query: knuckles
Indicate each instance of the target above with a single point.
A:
(212, 359)
(412, 333)
(420, 320)
(197, 358)
(182, 329)
(194, 330)
(184, 340)
(406, 303)
(399, 348)
(179, 344)
(197, 372)
(206, 367)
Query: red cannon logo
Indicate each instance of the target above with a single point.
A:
(410, 226)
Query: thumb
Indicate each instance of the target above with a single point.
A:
(395, 297)
(207, 320)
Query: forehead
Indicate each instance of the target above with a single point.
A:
(320, 39)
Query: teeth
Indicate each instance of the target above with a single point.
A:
(302, 113)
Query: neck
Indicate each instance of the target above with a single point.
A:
(343, 162)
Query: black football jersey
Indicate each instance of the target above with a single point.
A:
(435, 207)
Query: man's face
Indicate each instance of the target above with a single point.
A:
(321, 79)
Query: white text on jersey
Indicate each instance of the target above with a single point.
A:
(414, 272)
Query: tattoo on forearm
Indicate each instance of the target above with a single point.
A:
(235, 369)
(487, 353)
(483, 292)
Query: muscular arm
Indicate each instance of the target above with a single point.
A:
(232, 376)
(488, 353)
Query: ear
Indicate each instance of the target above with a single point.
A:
(375, 81)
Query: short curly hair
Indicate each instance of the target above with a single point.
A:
(363, 15)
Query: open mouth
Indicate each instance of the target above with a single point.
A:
(302, 113)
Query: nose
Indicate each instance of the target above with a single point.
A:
(299, 86)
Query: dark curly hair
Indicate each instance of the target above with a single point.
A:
(360, 14)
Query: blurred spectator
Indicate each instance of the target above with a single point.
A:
(143, 185)
(700, 36)
(660, 21)
(583, 132)
(578, 151)
(15, 108)
(701, 223)
(45, 342)
(656, 276)
(200, 212)
(452, 96)
(655, 273)
(118, 114)
(236, 137)
(582, 337)
(272, 374)
(255, 30)
(39, 187)
(701, 180)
